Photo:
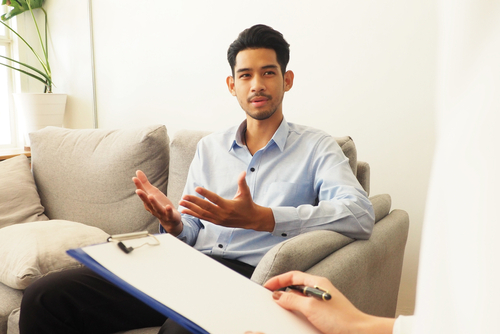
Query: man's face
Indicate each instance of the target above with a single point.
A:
(258, 83)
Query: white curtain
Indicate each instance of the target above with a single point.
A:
(459, 274)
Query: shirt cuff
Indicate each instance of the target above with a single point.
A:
(285, 222)
(182, 236)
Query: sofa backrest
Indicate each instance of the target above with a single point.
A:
(86, 175)
(183, 148)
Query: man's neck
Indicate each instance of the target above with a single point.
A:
(259, 133)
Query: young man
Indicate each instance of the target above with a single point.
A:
(248, 189)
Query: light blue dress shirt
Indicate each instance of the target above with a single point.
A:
(301, 174)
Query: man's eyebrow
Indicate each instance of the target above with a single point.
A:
(240, 70)
(269, 66)
(243, 70)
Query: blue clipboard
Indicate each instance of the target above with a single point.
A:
(204, 295)
(93, 265)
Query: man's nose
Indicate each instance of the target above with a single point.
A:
(258, 84)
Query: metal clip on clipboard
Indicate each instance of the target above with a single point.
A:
(119, 238)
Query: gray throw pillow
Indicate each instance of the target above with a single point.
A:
(19, 200)
(31, 250)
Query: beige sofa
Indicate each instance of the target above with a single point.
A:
(80, 191)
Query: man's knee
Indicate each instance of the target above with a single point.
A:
(45, 307)
(50, 288)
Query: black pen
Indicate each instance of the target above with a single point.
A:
(315, 291)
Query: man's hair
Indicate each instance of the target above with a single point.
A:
(257, 37)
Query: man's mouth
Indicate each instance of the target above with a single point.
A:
(260, 100)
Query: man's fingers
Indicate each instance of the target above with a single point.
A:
(243, 188)
(141, 181)
(141, 176)
(242, 182)
(191, 202)
(144, 198)
(198, 208)
(138, 183)
(209, 195)
(157, 206)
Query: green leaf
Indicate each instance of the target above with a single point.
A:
(19, 6)
(45, 82)
(25, 65)
(30, 47)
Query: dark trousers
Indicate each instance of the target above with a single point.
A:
(80, 301)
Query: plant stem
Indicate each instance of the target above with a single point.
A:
(25, 72)
(44, 47)
(46, 75)
(34, 69)
(47, 79)
(48, 86)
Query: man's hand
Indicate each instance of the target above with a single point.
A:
(241, 211)
(158, 204)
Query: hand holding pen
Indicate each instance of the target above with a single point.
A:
(316, 291)
(323, 305)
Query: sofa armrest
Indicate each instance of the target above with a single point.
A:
(368, 272)
(381, 205)
(305, 250)
(363, 175)
(298, 253)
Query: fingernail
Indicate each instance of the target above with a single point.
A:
(277, 295)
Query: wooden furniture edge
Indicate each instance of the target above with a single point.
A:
(13, 152)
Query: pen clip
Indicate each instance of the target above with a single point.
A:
(326, 294)
(320, 288)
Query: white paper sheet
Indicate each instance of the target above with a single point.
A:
(216, 298)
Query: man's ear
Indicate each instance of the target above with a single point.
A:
(230, 85)
(288, 80)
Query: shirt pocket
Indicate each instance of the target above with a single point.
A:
(289, 194)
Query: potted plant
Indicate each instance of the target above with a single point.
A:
(43, 109)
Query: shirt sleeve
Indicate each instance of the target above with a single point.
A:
(343, 206)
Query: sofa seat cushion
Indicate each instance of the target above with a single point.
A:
(19, 200)
(29, 251)
(10, 299)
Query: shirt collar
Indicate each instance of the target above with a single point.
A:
(279, 137)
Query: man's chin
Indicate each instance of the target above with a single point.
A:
(261, 115)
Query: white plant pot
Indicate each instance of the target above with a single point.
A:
(39, 110)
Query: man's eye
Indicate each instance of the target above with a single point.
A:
(270, 73)
(245, 75)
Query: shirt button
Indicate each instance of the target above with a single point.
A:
(221, 246)
(252, 169)
(284, 234)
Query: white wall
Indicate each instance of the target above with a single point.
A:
(69, 56)
(70, 37)
(362, 68)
